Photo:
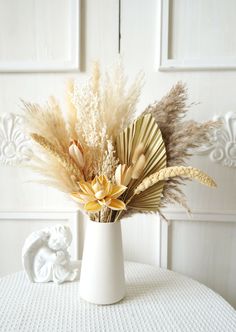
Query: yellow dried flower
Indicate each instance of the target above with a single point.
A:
(98, 193)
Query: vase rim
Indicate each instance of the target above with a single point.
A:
(104, 223)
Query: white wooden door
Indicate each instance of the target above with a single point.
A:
(34, 64)
(42, 44)
(33, 67)
(196, 45)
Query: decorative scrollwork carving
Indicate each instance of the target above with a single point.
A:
(222, 147)
(14, 145)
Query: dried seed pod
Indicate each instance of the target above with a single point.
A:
(138, 167)
(77, 153)
(123, 174)
(137, 152)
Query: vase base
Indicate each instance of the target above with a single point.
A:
(104, 301)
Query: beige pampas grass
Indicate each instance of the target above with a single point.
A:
(95, 78)
(72, 113)
(182, 137)
(172, 172)
(97, 112)
(105, 106)
(62, 158)
(50, 135)
(48, 122)
(99, 137)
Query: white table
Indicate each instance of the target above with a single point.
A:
(157, 300)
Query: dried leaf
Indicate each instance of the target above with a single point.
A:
(143, 131)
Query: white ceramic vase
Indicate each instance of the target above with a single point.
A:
(102, 278)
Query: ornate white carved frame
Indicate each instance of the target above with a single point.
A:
(15, 147)
(222, 148)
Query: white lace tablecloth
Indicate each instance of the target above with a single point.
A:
(157, 300)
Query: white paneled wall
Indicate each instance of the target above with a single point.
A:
(185, 43)
(205, 250)
(142, 239)
(16, 226)
(43, 43)
(34, 77)
(201, 246)
(32, 30)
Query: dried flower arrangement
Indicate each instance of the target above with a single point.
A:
(112, 164)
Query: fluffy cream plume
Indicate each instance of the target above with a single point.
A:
(48, 129)
(97, 112)
(72, 112)
(104, 107)
(182, 137)
(65, 160)
(108, 97)
(48, 122)
(99, 137)
(54, 173)
(95, 78)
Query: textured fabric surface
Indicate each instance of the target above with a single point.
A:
(156, 300)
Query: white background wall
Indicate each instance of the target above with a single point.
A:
(98, 39)
(200, 247)
(24, 50)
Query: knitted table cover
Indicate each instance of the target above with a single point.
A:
(156, 300)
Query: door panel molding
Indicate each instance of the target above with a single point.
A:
(71, 218)
(45, 58)
(216, 216)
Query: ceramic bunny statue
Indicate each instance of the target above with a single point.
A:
(45, 257)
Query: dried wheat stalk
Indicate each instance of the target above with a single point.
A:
(174, 171)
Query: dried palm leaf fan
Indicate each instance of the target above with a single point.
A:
(109, 163)
(145, 192)
(144, 132)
